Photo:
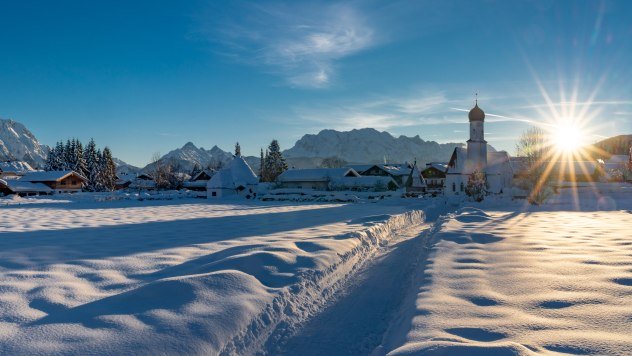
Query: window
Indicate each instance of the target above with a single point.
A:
(74, 182)
(461, 186)
(453, 187)
(63, 182)
(213, 194)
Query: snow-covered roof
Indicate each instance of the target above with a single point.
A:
(457, 161)
(396, 169)
(498, 163)
(360, 167)
(415, 179)
(237, 173)
(15, 166)
(316, 174)
(49, 176)
(125, 177)
(18, 185)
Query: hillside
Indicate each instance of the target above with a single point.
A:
(616, 145)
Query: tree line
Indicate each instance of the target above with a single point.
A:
(95, 165)
(272, 162)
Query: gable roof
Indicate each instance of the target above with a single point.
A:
(20, 186)
(415, 179)
(360, 168)
(208, 172)
(50, 176)
(237, 173)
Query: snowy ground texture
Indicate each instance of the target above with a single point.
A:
(555, 279)
(401, 276)
(185, 276)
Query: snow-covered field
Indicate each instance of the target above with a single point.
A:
(399, 276)
(550, 279)
(181, 276)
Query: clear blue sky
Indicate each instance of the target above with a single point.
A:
(149, 76)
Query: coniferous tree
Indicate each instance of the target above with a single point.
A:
(80, 160)
(67, 156)
(261, 164)
(107, 170)
(59, 156)
(92, 166)
(49, 165)
(274, 162)
(99, 174)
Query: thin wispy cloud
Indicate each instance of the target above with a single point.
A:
(382, 113)
(299, 42)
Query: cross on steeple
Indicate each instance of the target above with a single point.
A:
(476, 98)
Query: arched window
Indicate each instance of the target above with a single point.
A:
(461, 186)
(453, 187)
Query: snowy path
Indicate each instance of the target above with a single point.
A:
(364, 307)
(518, 283)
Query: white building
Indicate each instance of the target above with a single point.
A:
(237, 179)
(465, 161)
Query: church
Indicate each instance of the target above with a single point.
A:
(476, 157)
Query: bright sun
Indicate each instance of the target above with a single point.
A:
(567, 137)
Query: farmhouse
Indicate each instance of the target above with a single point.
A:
(333, 179)
(41, 182)
(237, 179)
(199, 181)
(313, 178)
(434, 173)
(141, 181)
(398, 171)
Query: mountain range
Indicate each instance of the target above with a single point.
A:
(354, 147)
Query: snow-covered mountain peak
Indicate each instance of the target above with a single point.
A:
(369, 145)
(18, 143)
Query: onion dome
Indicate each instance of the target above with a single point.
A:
(476, 114)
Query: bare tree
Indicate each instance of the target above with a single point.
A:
(536, 178)
(333, 162)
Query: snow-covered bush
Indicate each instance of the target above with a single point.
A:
(616, 175)
(476, 187)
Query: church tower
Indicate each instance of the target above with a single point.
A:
(476, 145)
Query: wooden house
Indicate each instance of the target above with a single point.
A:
(434, 173)
(41, 182)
